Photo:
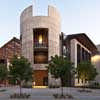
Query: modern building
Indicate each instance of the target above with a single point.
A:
(78, 48)
(40, 38)
(98, 47)
(96, 61)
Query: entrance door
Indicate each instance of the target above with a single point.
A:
(41, 77)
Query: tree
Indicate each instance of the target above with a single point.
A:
(21, 70)
(3, 72)
(86, 71)
(60, 67)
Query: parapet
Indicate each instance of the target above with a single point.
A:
(28, 12)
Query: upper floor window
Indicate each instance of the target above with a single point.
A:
(40, 37)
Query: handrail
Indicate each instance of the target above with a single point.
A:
(40, 45)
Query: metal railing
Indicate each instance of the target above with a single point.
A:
(40, 45)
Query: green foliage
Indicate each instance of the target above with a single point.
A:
(12, 81)
(21, 69)
(3, 72)
(60, 67)
(86, 71)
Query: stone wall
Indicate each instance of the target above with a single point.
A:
(29, 22)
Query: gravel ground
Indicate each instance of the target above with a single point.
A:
(46, 94)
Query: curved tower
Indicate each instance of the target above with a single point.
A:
(40, 36)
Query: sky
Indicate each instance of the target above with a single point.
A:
(77, 16)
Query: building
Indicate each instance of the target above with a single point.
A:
(78, 48)
(40, 38)
(98, 47)
(8, 50)
(96, 61)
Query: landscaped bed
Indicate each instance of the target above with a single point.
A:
(59, 96)
(19, 96)
(3, 90)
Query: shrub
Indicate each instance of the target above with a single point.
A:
(84, 90)
(95, 85)
(3, 90)
(24, 95)
(69, 96)
(26, 86)
(59, 96)
(54, 86)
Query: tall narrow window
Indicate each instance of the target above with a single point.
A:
(78, 53)
(40, 37)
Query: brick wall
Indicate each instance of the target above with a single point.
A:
(11, 48)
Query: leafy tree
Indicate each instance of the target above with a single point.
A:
(21, 70)
(60, 67)
(3, 72)
(86, 71)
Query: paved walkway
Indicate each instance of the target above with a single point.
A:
(46, 94)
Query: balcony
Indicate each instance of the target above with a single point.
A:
(43, 45)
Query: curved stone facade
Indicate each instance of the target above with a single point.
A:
(28, 23)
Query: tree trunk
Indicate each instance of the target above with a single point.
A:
(20, 88)
(83, 85)
(62, 87)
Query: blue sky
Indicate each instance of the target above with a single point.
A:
(78, 16)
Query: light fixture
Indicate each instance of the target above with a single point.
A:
(95, 58)
(40, 39)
